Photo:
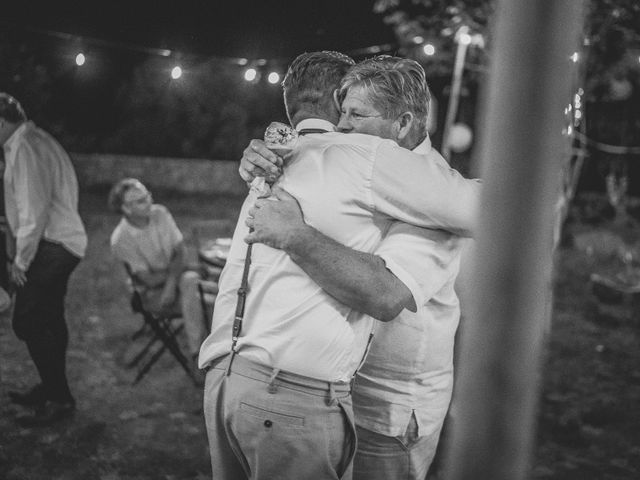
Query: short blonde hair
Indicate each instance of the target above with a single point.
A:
(119, 190)
(10, 109)
(311, 80)
(395, 85)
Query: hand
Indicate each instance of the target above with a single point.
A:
(18, 275)
(167, 300)
(258, 161)
(275, 220)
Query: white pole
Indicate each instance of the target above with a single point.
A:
(521, 147)
(463, 39)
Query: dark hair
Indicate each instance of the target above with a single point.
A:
(395, 85)
(311, 80)
(10, 109)
(119, 190)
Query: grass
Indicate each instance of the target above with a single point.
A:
(588, 422)
(152, 430)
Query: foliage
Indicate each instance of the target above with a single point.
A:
(137, 108)
(613, 43)
(612, 36)
(436, 22)
(206, 113)
(26, 78)
(608, 69)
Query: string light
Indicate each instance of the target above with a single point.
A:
(253, 67)
(250, 74)
(577, 103)
(273, 78)
(429, 49)
(465, 38)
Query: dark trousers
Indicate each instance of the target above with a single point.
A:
(38, 316)
(4, 274)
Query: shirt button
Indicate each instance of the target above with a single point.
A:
(268, 423)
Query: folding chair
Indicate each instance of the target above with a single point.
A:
(163, 333)
(207, 291)
(616, 296)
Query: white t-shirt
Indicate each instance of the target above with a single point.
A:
(148, 249)
(350, 187)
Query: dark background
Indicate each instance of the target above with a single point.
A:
(124, 101)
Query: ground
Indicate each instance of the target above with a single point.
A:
(589, 421)
(589, 415)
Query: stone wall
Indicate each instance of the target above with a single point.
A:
(186, 175)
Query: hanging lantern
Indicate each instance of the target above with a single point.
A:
(460, 137)
(432, 117)
(620, 89)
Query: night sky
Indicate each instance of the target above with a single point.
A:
(237, 28)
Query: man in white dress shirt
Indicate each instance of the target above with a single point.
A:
(277, 396)
(41, 201)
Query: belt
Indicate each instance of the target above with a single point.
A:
(274, 377)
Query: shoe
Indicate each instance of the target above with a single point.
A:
(49, 413)
(33, 398)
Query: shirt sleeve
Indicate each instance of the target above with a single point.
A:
(33, 186)
(416, 189)
(464, 278)
(168, 226)
(423, 259)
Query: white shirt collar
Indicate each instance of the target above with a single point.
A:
(424, 147)
(316, 123)
(15, 136)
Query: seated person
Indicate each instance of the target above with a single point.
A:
(148, 240)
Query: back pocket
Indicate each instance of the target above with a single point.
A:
(276, 418)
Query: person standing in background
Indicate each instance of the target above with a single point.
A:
(49, 240)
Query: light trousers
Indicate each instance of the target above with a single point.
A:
(188, 305)
(405, 457)
(264, 424)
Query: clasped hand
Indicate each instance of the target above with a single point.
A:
(274, 220)
(17, 275)
(258, 161)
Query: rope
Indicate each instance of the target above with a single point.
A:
(607, 148)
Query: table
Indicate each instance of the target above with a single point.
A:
(212, 255)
